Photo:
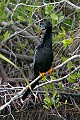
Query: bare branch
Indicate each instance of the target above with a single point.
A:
(60, 79)
(75, 6)
(19, 56)
(73, 57)
(19, 94)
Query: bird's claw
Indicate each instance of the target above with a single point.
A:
(42, 74)
(51, 70)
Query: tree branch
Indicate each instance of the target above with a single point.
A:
(58, 80)
(75, 6)
(19, 94)
(19, 56)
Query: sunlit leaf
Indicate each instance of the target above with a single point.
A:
(48, 101)
(63, 31)
(60, 35)
(54, 16)
(67, 42)
(54, 93)
(31, 9)
(69, 65)
(44, 78)
(21, 18)
(64, 59)
(6, 35)
(46, 10)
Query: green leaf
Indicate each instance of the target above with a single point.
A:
(60, 35)
(46, 10)
(64, 59)
(54, 16)
(60, 18)
(21, 18)
(44, 78)
(1, 38)
(54, 93)
(45, 87)
(72, 78)
(69, 65)
(71, 40)
(50, 7)
(6, 35)
(67, 42)
(49, 86)
(53, 78)
(2, 5)
(61, 85)
(30, 22)
(46, 107)
(53, 22)
(21, 45)
(10, 62)
(78, 10)
(55, 101)
(7, 60)
(55, 39)
(57, 104)
(78, 74)
(63, 31)
(3, 16)
(48, 101)
(31, 9)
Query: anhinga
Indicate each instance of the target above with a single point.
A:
(43, 56)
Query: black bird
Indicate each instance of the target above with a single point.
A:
(43, 55)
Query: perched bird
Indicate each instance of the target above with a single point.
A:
(43, 56)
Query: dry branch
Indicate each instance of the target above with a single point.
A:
(28, 58)
(19, 94)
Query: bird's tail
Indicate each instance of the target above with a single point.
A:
(28, 90)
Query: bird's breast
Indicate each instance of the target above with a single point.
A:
(44, 55)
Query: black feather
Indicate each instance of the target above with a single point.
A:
(43, 55)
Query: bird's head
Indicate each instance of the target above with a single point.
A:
(47, 25)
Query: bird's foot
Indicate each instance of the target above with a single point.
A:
(42, 74)
(51, 70)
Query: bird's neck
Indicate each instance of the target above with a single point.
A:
(47, 40)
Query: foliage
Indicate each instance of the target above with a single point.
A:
(10, 62)
(51, 98)
(20, 27)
